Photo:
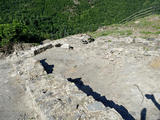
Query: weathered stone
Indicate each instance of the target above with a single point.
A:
(42, 49)
(1, 55)
(151, 39)
(96, 106)
(46, 41)
(66, 46)
(58, 45)
(155, 63)
(118, 70)
(51, 101)
(157, 97)
(87, 39)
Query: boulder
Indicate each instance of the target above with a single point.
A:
(87, 39)
(42, 48)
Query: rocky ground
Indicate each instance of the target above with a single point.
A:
(81, 78)
(124, 70)
(13, 105)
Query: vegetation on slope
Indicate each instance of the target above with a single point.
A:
(59, 18)
(148, 28)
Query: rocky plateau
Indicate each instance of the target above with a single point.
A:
(81, 78)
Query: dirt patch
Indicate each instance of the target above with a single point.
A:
(155, 63)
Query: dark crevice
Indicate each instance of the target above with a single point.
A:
(48, 68)
(98, 97)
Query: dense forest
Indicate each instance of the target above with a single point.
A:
(41, 19)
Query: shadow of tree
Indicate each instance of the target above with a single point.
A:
(151, 97)
(107, 103)
(48, 68)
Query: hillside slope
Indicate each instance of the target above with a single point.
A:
(58, 18)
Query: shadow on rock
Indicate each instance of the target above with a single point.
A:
(107, 103)
(151, 97)
(48, 68)
(143, 114)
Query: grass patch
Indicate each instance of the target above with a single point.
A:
(147, 32)
(158, 32)
(150, 33)
(125, 33)
(111, 32)
(145, 23)
(109, 40)
(146, 27)
(157, 27)
(99, 34)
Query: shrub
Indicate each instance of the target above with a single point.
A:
(16, 32)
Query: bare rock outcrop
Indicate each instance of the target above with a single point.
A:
(57, 98)
(78, 78)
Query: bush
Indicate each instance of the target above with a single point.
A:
(16, 32)
(59, 18)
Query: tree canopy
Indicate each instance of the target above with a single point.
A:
(59, 18)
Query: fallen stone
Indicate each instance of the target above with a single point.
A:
(66, 46)
(87, 39)
(151, 39)
(58, 45)
(42, 48)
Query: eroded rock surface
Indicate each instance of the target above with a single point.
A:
(110, 78)
(55, 97)
(13, 99)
